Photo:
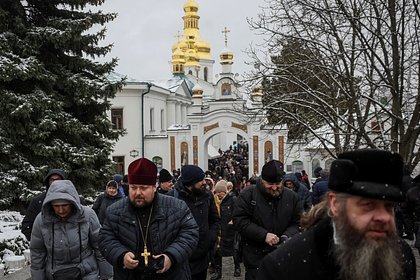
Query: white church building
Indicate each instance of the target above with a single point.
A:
(187, 118)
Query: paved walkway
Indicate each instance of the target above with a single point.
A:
(227, 270)
(227, 274)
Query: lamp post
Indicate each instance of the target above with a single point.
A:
(134, 153)
(149, 85)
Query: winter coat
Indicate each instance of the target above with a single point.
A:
(308, 256)
(257, 213)
(35, 205)
(227, 230)
(301, 189)
(411, 212)
(101, 204)
(57, 244)
(204, 210)
(318, 190)
(172, 231)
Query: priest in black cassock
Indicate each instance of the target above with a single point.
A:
(148, 235)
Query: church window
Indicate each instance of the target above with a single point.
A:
(162, 120)
(206, 73)
(190, 72)
(119, 164)
(152, 120)
(117, 118)
(158, 161)
(297, 166)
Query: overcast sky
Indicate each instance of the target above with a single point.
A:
(144, 32)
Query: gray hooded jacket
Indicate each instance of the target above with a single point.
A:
(55, 244)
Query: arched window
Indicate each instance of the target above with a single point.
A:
(158, 161)
(328, 163)
(190, 72)
(206, 70)
(297, 166)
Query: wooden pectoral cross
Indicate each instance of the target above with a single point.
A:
(145, 255)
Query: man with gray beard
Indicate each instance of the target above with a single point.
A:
(351, 235)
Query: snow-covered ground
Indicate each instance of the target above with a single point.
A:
(12, 242)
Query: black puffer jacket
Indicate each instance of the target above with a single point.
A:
(205, 214)
(35, 205)
(257, 213)
(172, 231)
(102, 202)
(411, 212)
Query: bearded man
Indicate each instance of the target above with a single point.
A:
(352, 233)
(191, 188)
(265, 215)
(148, 235)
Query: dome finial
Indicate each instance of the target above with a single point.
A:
(225, 31)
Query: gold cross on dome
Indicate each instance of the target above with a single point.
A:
(225, 31)
(145, 255)
(178, 36)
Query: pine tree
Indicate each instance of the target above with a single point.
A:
(297, 82)
(54, 96)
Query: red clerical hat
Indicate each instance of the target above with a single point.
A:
(142, 172)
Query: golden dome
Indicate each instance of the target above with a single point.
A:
(178, 62)
(178, 55)
(197, 91)
(182, 45)
(203, 49)
(191, 58)
(226, 56)
(190, 42)
(191, 6)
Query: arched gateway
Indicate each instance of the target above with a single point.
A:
(205, 126)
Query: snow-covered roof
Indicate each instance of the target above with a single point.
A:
(114, 76)
(172, 84)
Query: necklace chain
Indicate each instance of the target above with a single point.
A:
(147, 228)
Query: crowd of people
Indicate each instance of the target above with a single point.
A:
(157, 225)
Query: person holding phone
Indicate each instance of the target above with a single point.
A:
(148, 235)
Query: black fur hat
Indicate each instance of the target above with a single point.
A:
(164, 176)
(272, 171)
(369, 173)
